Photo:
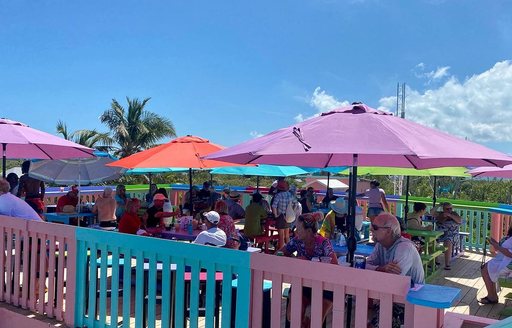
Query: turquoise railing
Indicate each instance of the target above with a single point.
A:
(115, 261)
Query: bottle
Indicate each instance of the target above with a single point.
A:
(341, 240)
(190, 228)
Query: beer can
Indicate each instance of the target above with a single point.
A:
(359, 262)
(279, 253)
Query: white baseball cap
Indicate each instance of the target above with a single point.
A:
(212, 216)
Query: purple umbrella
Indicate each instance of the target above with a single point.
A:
(20, 141)
(492, 172)
(360, 135)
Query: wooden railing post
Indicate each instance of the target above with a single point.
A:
(496, 231)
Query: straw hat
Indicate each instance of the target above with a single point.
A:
(234, 195)
(339, 206)
(282, 185)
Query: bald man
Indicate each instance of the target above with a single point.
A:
(394, 253)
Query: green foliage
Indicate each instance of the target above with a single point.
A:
(135, 129)
(88, 138)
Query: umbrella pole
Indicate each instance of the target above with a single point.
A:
(257, 183)
(150, 178)
(351, 240)
(4, 159)
(79, 195)
(406, 199)
(434, 198)
(190, 191)
(328, 178)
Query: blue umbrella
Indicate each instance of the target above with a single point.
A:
(261, 170)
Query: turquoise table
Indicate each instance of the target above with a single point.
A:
(66, 217)
(434, 296)
(362, 249)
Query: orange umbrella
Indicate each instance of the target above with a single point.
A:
(183, 152)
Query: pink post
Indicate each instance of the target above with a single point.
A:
(496, 231)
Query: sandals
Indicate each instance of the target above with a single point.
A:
(486, 300)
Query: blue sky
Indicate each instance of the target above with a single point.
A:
(229, 71)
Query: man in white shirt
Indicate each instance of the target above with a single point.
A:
(213, 236)
(11, 205)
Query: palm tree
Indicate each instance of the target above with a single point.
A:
(88, 138)
(135, 129)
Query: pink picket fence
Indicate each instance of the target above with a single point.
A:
(37, 258)
(364, 286)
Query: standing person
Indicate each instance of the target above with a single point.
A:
(303, 200)
(377, 202)
(449, 222)
(279, 206)
(213, 236)
(311, 198)
(13, 180)
(255, 214)
(105, 208)
(121, 200)
(394, 254)
(151, 192)
(307, 243)
(32, 189)
(497, 265)
(11, 205)
(203, 198)
(227, 225)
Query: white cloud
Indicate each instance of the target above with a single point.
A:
(255, 134)
(322, 102)
(432, 76)
(479, 108)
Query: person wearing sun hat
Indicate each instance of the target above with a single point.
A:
(279, 206)
(235, 210)
(335, 218)
(213, 236)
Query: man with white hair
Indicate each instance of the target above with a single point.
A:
(11, 205)
(394, 253)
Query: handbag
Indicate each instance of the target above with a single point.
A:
(290, 213)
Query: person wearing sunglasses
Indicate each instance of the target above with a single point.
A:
(449, 222)
(396, 255)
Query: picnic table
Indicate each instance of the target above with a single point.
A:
(430, 250)
(66, 217)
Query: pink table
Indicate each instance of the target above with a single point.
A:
(180, 235)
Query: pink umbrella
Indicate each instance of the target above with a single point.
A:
(376, 137)
(492, 172)
(360, 135)
(20, 141)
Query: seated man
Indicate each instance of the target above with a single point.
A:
(105, 208)
(154, 216)
(11, 205)
(394, 254)
(235, 210)
(213, 236)
(71, 198)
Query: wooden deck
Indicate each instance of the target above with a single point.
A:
(465, 274)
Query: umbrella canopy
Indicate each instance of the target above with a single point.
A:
(359, 135)
(20, 141)
(184, 152)
(76, 171)
(437, 172)
(376, 137)
(155, 170)
(261, 170)
(492, 172)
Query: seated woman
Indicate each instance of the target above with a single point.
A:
(130, 221)
(414, 218)
(329, 197)
(105, 208)
(308, 244)
(335, 218)
(227, 225)
(492, 269)
(449, 222)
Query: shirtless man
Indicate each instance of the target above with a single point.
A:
(32, 189)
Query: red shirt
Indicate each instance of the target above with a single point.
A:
(65, 200)
(129, 223)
